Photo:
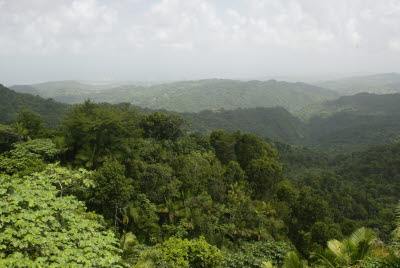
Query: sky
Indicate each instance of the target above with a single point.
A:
(43, 40)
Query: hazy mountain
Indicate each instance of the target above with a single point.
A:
(378, 83)
(192, 96)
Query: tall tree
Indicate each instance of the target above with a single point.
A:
(113, 191)
(95, 132)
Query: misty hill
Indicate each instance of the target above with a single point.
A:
(348, 124)
(68, 91)
(352, 123)
(276, 123)
(194, 96)
(11, 102)
(378, 83)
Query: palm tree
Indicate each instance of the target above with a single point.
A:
(293, 261)
(348, 252)
(172, 209)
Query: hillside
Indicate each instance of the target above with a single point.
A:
(348, 124)
(68, 91)
(378, 83)
(352, 123)
(11, 102)
(275, 123)
(193, 96)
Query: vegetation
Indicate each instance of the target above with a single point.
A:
(348, 124)
(11, 103)
(111, 186)
(190, 96)
(378, 83)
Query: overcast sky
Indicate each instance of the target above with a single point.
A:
(43, 40)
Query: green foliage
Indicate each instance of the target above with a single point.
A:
(143, 220)
(7, 138)
(113, 191)
(28, 157)
(29, 124)
(292, 260)
(70, 182)
(161, 189)
(253, 254)
(162, 126)
(263, 174)
(349, 251)
(223, 144)
(190, 253)
(39, 228)
(94, 132)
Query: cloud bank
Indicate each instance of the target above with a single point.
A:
(176, 39)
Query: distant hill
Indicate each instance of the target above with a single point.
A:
(378, 83)
(353, 123)
(348, 124)
(68, 91)
(11, 102)
(193, 96)
(275, 123)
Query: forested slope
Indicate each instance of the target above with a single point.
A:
(353, 123)
(11, 102)
(276, 123)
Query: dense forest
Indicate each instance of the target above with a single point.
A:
(103, 185)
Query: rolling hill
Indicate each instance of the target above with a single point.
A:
(275, 123)
(353, 123)
(377, 83)
(192, 96)
(347, 124)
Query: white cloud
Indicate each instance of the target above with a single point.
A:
(47, 27)
(219, 33)
(394, 45)
(354, 35)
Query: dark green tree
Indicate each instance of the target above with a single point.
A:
(113, 191)
(263, 175)
(29, 124)
(163, 126)
(94, 132)
(223, 144)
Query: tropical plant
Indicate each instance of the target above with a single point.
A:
(292, 260)
(348, 252)
(40, 229)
